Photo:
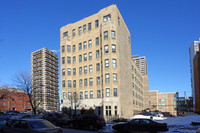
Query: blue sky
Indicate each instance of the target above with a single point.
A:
(161, 30)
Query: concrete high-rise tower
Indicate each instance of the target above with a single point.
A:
(194, 47)
(44, 78)
(141, 63)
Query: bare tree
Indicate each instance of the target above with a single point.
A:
(23, 82)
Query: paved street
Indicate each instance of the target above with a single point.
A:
(67, 130)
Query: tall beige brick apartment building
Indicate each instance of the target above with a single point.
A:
(96, 67)
(44, 79)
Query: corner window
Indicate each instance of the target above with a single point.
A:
(98, 67)
(69, 83)
(73, 32)
(98, 93)
(91, 94)
(96, 23)
(80, 58)
(105, 35)
(80, 46)
(107, 92)
(97, 53)
(63, 83)
(107, 17)
(114, 77)
(63, 72)
(91, 81)
(115, 92)
(113, 34)
(64, 95)
(79, 30)
(74, 48)
(98, 80)
(63, 49)
(85, 82)
(89, 26)
(106, 63)
(113, 48)
(97, 41)
(68, 48)
(106, 48)
(65, 34)
(84, 28)
(86, 95)
(85, 45)
(107, 78)
(63, 60)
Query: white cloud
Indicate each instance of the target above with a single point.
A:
(55, 51)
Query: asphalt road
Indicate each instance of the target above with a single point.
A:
(67, 130)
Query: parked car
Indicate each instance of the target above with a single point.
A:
(140, 125)
(3, 120)
(91, 122)
(57, 119)
(30, 116)
(31, 125)
(2, 113)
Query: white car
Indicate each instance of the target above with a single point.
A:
(148, 117)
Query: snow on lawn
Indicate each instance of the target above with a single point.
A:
(182, 124)
(175, 125)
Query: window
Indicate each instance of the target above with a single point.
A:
(74, 48)
(64, 95)
(84, 28)
(85, 57)
(114, 63)
(98, 80)
(89, 26)
(91, 94)
(85, 69)
(85, 45)
(74, 83)
(97, 41)
(90, 43)
(63, 72)
(107, 78)
(74, 59)
(69, 95)
(113, 34)
(80, 46)
(114, 77)
(90, 55)
(85, 82)
(98, 93)
(81, 95)
(115, 92)
(74, 71)
(118, 21)
(113, 48)
(69, 71)
(74, 95)
(80, 82)
(96, 23)
(80, 58)
(63, 49)
(115, 110)
(107, 92)
(91, 81)
(63, 83)
(98, 67)
(68, 48)
(63, 60)
(97, 53)
(69, 83)
(106, 48)
(79, 30)
(3, 103)
(90, 68)
(86, 95)
(106, 63)
(73, 32)
(107, 17)
(108, 110)
(65, 34)
(105, 35)
(13, 104)
(80, 70)
(69, 60)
